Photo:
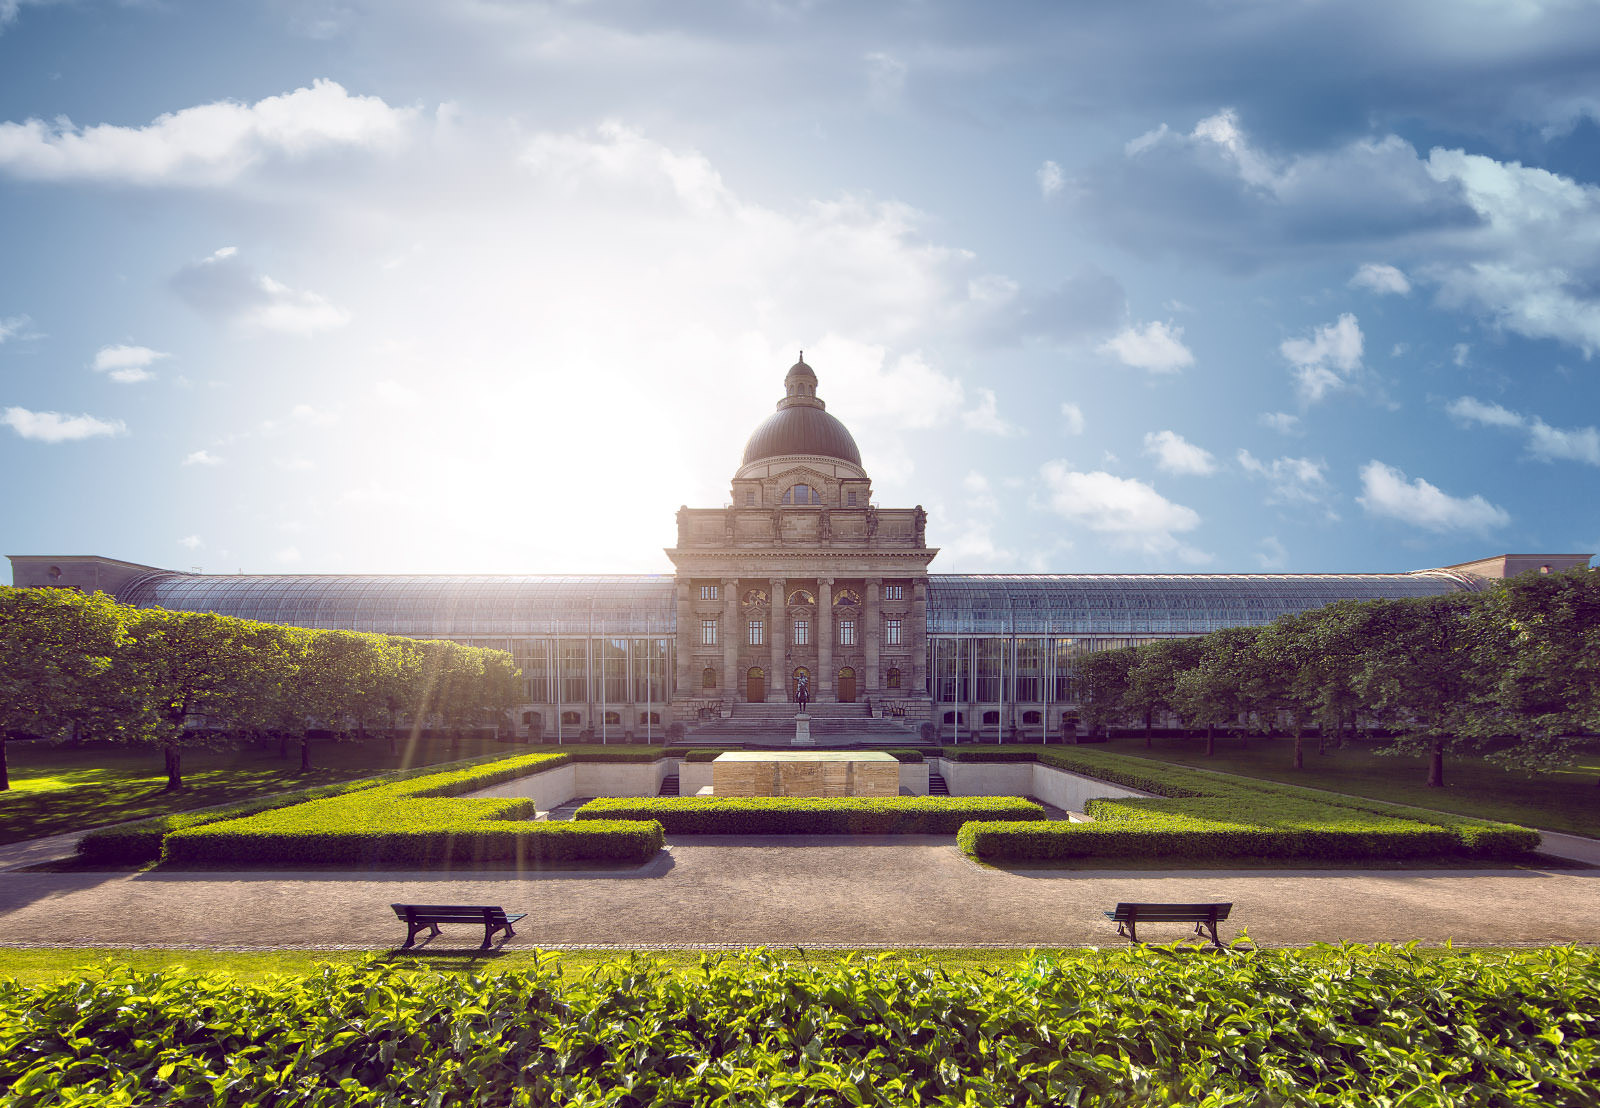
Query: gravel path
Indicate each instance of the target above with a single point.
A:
(903, 891)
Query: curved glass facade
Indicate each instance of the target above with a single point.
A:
(1149, 604)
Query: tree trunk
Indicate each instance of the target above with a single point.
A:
(1299, 751)
(283, 745)
(305, 753)
(1149, 727)
(174, 760)
(392, 749)
(5, 769)
(1436, 765)
(1211, 740)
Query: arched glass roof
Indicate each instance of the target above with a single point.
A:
(424, 606)
(1150, 604)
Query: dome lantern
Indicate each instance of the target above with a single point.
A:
(801, 425)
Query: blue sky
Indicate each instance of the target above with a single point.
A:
(294, 286)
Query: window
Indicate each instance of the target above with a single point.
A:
(801, 494)
(891, 632)
(893, 681)
(708, 678)
(802, 632)
(613, 717)
(710, 592)
(749, 498)
(650, 717)
(847, 632)
(894, 592)
(991, 719)
(850, 499)
(569, 718)
(757, 632)
(708, 632)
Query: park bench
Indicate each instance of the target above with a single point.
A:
(418, 916)
(1128, 917)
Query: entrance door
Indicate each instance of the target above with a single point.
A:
(755, 685)
(847, 686)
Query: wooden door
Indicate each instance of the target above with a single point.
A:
(755, 685)
(847, 686)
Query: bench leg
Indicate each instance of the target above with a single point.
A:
(1209, 925)
(411, 934)
(1129, 929)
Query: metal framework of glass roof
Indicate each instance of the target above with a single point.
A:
(1150, 604)
(982, 604)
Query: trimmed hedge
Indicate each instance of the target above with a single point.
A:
(139, 843)
(804, 815)
(419, 822)
(1199, 815)
(597, 753)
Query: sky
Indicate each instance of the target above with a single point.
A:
(1218, 286)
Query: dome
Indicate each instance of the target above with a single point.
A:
(801, 425)
(801, 429)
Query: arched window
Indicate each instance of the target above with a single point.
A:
(570, 719)
(801, 494)
(893, 681)
(650, 717)
(614, 717)
(991, 718)
(708, 678)
(1031, 717)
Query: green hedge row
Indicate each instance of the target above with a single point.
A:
(1218, 817)
(1347, 1026)
(139, 842)
(589, 752)
(802, 815)
(423, 821)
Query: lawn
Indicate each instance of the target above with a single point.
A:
(56, 789)
(1567, 800)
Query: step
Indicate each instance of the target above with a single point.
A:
(937, 786)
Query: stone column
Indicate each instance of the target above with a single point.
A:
(688, 635)
(916, 636)
(874, 636)
(730, 632)
(824, 682)
(777, 679)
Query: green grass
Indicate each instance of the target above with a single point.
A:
(1564, 801)
(57, 789)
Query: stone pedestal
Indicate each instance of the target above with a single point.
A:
(802, 730)
(792, 773)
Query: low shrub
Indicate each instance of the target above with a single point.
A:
(596, 752)
(803, 815)
(139, 842)
(423, 822)
(702, 754)
(905, 755)
(1331, 1026)
(1199, 815)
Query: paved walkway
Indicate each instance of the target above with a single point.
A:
(901, 891)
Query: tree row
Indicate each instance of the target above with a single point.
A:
(1511, 672)
(74, 666)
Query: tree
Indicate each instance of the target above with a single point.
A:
(1212, 692)
(1536, 650)
(1153, 679)
(1102, 679)
(1417, 675)
(340, 673)
(1282, 675)
(57, 647)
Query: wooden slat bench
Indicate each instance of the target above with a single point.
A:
(490, 916)
(1204, 917)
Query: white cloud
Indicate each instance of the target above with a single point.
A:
(1547, 443)
(288, 554)
(1158, 347)
(126, 365)
(1382, 279)
(886, 79)
(1273, 555)
(1459, 353)
(980, 494)
(1281, 422)
(1387, 492)
(1291, 480)
(985, 418)
(1175, 454)
(393, 392)
(294, 464)
(201, 458)
(1326, 361)
(226, 287)
(1130, 512)
(12, 327)
(205, 145)
(1051, 179)
(1072, 418)
(313, 417)
(55, 427)
(191, 541)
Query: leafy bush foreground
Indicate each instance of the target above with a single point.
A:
(1346, 1026)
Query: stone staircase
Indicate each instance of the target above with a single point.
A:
(772, 724)
(669, 785)
(937, 785)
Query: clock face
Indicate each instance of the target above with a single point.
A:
(755, 598)
(801, 598)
